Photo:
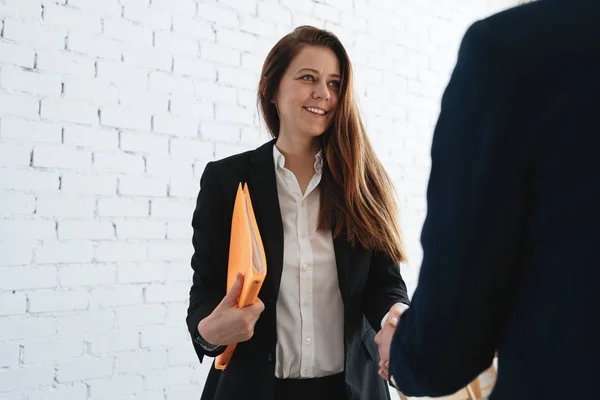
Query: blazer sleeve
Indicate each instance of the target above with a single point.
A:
(209, 261)
(476, 206)
(384, 288)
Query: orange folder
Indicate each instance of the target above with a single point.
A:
(246, 256)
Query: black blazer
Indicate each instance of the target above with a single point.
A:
(511, 237)
(369, 283)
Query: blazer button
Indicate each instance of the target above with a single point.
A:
(270, 357)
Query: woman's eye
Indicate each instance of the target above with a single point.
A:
(335, 84)
(307, 78)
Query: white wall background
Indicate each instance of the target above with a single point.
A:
(109, 110)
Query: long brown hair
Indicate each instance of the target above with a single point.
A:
(357, 196)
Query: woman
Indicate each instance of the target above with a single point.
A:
(328, 221)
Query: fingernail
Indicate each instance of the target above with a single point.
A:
(394, 321)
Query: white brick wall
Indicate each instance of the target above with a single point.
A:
(13, 303)
(84, 368)
(14, 155)
(141, 361)
(77, 391)
(9, 355)
(48, 350)
(109, 111)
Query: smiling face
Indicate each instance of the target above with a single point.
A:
(308, 93)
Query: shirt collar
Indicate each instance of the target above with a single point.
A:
(279, 160)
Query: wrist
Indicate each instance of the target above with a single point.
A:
(205, 332)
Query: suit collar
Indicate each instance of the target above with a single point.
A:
(264, 154)
(343, 259)
(263, 192)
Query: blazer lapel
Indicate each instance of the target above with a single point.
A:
(342, 259)
(263, 191)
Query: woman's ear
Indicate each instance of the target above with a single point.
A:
(263, 90)
(262, 87)
(273, 99)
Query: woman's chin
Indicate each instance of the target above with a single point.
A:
(313, 131)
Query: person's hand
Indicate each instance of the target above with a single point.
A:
(384, 338)
(229, 324)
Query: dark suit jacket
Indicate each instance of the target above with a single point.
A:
(369, 283)
(512, 231)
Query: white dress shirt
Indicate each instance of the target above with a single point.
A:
(310, 311)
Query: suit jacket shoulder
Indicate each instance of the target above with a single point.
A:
(560, 27)
(234, 169)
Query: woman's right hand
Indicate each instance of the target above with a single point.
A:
(229, 324)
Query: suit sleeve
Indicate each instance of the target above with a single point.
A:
(384, 288)
(476, 205)
(209, 261)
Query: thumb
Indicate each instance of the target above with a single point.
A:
(236, 290)
(392, 320)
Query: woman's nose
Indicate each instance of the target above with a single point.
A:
(321, 91)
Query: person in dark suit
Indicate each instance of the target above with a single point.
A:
(328, 219)
(510, 241)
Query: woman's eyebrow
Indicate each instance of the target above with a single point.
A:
(317, 72)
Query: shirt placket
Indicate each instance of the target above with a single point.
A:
(306, 289)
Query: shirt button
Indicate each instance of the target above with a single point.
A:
(305, 302)
(305, 371)
(304, 267)
(308, 340)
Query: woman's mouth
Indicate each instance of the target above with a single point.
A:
(315, 110)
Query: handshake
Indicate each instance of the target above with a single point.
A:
(383, 339)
